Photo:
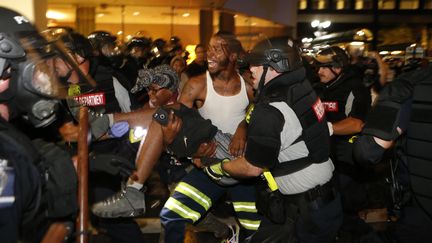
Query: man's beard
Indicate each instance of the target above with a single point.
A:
(221, 66)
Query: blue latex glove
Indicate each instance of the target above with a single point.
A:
(118, 129)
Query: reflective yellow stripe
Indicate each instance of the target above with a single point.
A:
(195, 194)
(250, 224)
(132, 138)
(270, 181)
(74, 90)
(249, 113)
(182, 210)
(352, 139)
(245, 207)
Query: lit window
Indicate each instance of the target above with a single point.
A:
(386, 4)
(302, 4)
(409, 4)
(319, 4)
(363, 4)
(341, 4)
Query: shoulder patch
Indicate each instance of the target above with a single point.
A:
(331, 106)
(318, 109)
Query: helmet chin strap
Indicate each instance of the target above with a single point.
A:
(261, 83)
(337, 76)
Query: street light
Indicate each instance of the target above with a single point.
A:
(320, 27)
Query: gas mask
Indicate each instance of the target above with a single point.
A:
(37, 109)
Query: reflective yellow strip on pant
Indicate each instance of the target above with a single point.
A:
(245, 207)
(182, 210)
(194, 194)
(250, 224)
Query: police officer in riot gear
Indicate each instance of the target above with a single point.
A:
(106, 49)
(99, 38)
(28, 84)
(109, 54)
(139, 49)
(159, 53)
(346, 101)
(103, 183)
(117, 96)
(401, 116)
(288, 144)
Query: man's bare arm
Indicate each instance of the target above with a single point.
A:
(347, 126)
(141, 117)
(193, 91)
(238, 142)
(241, 168)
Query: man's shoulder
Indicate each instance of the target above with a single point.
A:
(198, 81)
(193, 89)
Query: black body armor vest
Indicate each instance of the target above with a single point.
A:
(383, 122)
(18, 150)
(300, 96)
(104, 83)
(419, 144)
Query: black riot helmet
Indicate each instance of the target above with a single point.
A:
(139, 49)
(159, 43)
(333, 56)
(29, 85)
(139, 42)
(100, 38)
(174, 40)
(24, 71)
(280, 53)
(78, 44)
(107, 48)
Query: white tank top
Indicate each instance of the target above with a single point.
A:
(225, 112)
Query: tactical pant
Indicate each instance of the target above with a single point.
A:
(307, 220)
(196, 194)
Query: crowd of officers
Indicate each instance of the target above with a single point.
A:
(302, 137)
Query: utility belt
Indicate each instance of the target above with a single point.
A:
(319, 196)
(278, 207)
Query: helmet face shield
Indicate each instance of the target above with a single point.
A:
(333, 56)
(324, 60)
(45, 65)
(111, 49)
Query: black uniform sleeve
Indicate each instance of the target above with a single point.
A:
(263, 142)
(362, 101)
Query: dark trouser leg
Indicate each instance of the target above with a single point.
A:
(243, 197)
(191, 199)
(326, 221)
